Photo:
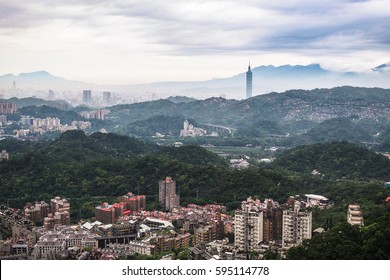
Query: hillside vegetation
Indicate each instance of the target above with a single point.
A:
(336, 160)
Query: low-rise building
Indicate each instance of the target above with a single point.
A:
(4, 155)
(354, 215)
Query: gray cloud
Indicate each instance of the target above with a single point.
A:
(202, 26)
(112, 30)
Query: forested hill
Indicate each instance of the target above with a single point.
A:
(336, 160)
(335, 129)
(293, 105)
(74, 145)
(77, 166)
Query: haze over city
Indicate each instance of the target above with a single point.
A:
(129, 42)
(194, 130)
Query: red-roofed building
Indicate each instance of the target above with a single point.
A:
(105, 213)
(118, 209)
(132, 202)
(127, 212)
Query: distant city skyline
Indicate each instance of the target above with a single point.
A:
(129, 42)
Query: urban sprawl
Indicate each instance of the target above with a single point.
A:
(125, 228)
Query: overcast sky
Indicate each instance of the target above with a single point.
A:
(138, 41)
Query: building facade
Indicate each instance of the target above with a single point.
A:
(60, 208)
(273, 220)
(354, 215)
(36, 212)
(106, 97)
(297, 226)
(133, 202)
(105, 213)
(7, 108)
(87, 96)
(248, 227)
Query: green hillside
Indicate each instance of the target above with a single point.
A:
(357, 113)
(336, 129)
(336, 160)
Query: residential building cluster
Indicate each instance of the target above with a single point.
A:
(259, 227)
(239, 163)
(95, 114)
(125, 228)
(156, 243)
(191, 131)
(300, 109)
(57, 213)
(7, 108)
(61, 243)
(128, 203)
(40, 126)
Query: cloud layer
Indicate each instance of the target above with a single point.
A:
(139, 41)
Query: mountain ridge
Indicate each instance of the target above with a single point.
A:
(266, 78)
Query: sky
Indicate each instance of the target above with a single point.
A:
(142, 41)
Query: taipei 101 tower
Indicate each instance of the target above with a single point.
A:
(249, 82)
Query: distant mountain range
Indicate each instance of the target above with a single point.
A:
(291, 118)
(265, 79)
(296, 117)
(40, 80)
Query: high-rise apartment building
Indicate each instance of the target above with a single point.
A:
(36, 212)
(249, 82)
(204, 235)
(248, 226)
(133, 202)
(106, 97)
(7, 108)
(273, 216)
(87, 96)
(297, 226)
(60, 208)
(105, 213)
(167, 194)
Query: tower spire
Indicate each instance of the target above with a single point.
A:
(249, 82)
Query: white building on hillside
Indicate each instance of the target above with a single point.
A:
(190, 130)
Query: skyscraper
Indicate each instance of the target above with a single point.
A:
(249, 82)
(87, 96)
(106, 97)
(167, 194)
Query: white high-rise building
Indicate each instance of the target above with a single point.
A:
(297, 226)
(248, 227)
